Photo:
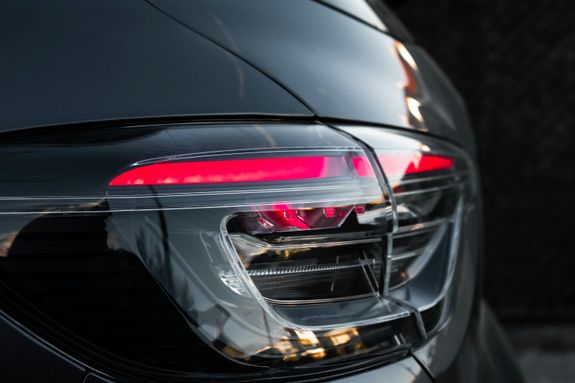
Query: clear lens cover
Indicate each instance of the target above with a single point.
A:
(280, 245)
(432, 185)
(277, 256)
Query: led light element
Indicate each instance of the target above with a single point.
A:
(413, 163)
(242, 170)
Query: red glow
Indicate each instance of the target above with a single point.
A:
(403, 164)
(285, 217)
(231, 171)
(329, 212)
(363, 167)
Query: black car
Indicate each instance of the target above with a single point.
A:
(225, 190)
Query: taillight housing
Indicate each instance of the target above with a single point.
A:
(280, 245)
(433, 186)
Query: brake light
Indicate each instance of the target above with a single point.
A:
(282, 217)
(242, 170)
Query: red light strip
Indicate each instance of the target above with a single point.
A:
(363, 167)
(403, 164)
(240, 170)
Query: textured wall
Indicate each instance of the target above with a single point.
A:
(514, 63)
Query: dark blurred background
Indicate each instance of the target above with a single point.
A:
(514, 63)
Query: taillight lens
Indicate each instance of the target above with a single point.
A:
(433, 185)
(244, 170)
(327, 255)
(280, 244)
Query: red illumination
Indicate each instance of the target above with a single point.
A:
(231, 171)
(403, 164)
(329, 212)
(363, 167)
(285, 217)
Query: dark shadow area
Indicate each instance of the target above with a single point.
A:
(66, 271)
(546, 353)
(513, 61)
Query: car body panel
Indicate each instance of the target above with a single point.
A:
(340, 67)
(362, 10)
(212, 58)
(26, 359)
(70, 62)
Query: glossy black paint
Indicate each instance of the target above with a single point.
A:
(26, 359)
(74, 62)
(68, 62)
(341, 68)
(167, 63)
(51, 365)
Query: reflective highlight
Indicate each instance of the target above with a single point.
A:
(404, 164)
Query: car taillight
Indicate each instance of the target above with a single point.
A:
(311, 254)
(280, 245)
(433, 185)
